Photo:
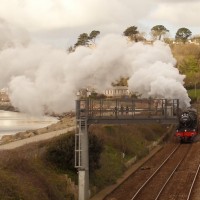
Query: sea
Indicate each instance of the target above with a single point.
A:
(14, 122)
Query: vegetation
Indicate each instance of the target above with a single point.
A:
(196, 39)
(25, 175)
(85, 40)
(158, 31)
(60, 152)
(194, 95)
(188, 63)
(121, 143)
(183, 34)
(93, 36)
(34, 171)
(121, 82)
(110, 149)
(131, 32)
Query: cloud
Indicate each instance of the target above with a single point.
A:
(48, 14)
(176, 1)
(178, 13)
(62, 20)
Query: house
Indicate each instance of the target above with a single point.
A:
(117, 91)
(4, 95)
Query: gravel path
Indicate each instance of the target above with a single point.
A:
(36, 138)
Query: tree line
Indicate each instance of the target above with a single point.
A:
(158, 32)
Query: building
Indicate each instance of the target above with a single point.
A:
(117, 91)
(4, 95)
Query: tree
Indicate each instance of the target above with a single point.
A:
(70, 49)
(84, 39)
(158, 31)
(93, 36)
(132, 33)
(183, 34)
(121, 82)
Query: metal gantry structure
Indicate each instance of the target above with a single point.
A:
(115, 111)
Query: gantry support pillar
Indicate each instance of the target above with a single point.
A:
(82, 153)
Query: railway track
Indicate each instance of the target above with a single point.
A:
(174, 178)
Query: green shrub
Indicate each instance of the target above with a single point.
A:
(61, 152)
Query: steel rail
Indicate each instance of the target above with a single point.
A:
(175, 149)
(157, 197)
(195, 177)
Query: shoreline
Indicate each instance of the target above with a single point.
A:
(36, 138)
(66, 121)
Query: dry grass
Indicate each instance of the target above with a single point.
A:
(182, 51)
(24, 175)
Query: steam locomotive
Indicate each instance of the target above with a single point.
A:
(188, 125)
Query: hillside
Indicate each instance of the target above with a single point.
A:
(27, 175)
(188, 62)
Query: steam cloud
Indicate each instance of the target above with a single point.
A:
(39, 76)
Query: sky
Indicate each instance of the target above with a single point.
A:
(60, 22)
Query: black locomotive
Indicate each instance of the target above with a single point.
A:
(188, 125)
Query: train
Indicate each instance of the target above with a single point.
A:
(187, 128)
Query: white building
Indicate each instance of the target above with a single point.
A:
(117, 91)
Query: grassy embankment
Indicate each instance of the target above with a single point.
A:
(132, 140)
(194, 94)
(25, 174)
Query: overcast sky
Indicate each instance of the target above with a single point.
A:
(59, 22)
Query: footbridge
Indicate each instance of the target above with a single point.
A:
(115, 111)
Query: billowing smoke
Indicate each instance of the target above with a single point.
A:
(41, 78)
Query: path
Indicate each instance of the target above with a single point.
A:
(36, 138)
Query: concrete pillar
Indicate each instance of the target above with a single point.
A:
(83, 186)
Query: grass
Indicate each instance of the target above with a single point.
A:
(194, 93)
(133, 140)
(25, 175)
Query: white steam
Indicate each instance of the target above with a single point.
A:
(41, 78)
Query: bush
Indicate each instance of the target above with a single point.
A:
(95, 150)
(61, 152)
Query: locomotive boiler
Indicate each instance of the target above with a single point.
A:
(188, 125)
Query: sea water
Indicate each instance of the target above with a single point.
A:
(14, 122)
